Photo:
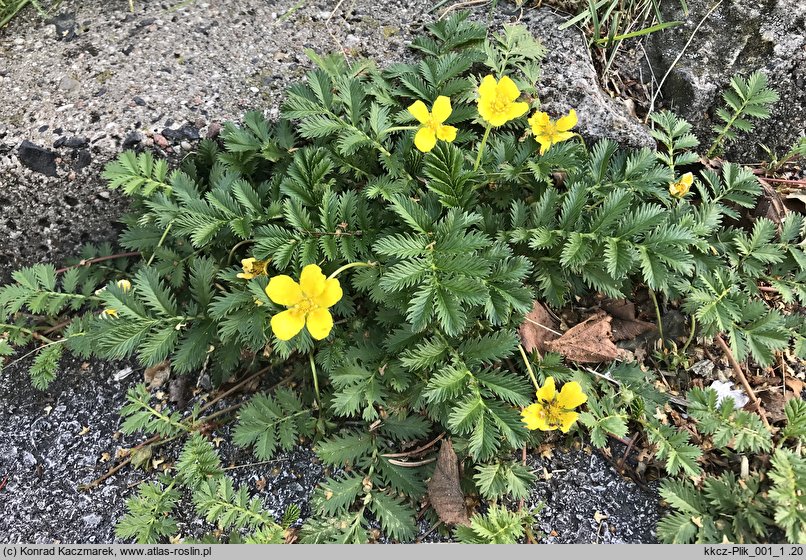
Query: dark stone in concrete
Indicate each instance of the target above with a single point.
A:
(65, 27)
(36, 158)
(185, 132)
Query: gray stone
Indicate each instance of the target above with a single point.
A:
(36, 158)
(69, 84)
(65, 26)
(28, 459)
(738, 37)
(569, 80)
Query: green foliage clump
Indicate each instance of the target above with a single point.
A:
(746, 98)
(439, 256)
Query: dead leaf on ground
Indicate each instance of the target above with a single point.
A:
(444, 491)
(796, 386)
(157, 375)
(625, 325)
(537, 328)
(588, 342)
(179, 391)
(796, 202)
(774, 402)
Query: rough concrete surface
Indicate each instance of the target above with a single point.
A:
(97, 79)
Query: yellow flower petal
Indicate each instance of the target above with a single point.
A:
(567, 420)
(571, 395)
(320, 322)
(534, 417)
(488, 87)
(539, 121)
(517, 109)
(687, 179)
(546, 392)
(124, 285)
(245, 275)
(441, 109)
(283, 290)
(425, 139)
(563, 136)
(247, 264)
(312, 281)
(330, 295)
(287, 324)
(447, 133)
(567, 122)
(420, 112)
(487, 112)
(508, 90)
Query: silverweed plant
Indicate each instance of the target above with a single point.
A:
(382, 243)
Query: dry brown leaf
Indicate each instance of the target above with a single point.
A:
(157, 375)
(444, 491)
(796, 386)
(774, 403)
(179, 391)
(588, 342)
(625, 325)
(537, 328)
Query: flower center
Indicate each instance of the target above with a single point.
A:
(501, 104)
(551, 129)
(305, 306)
(552, 414)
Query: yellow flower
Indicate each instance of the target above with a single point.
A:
(251, 268)
(497, 103)
(681, 187)
(548, 132)
(432, 127)
(307, 302)
(554, 410)
(109, 312)
(124, 285)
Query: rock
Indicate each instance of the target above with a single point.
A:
(132, 140)
(82, 160)
(69, 84)
(569, 80)
(139, 101)
(185, 132)
(161, 141)
(28, 459)
(37, 158)
(76, 142)
(92, 520)
(65, 27)
(766, 36)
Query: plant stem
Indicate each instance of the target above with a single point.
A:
(235, 247)
(397, 129)
(159, 244)
(99, 259)
(657, 314)
(691, 334)
(481, 147)
(737, 368)
(351, 265)
(315, 380)
(528, 366)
